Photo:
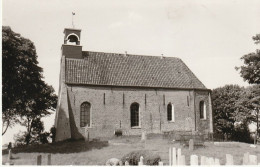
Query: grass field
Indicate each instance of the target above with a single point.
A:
(98, 152)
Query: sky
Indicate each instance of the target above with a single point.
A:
(209, 36)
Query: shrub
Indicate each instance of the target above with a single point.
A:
(133, 157)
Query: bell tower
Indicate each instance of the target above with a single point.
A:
(71, 47)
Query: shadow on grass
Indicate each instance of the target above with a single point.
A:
(68, 146)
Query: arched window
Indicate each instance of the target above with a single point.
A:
(202, 110)
(72, 39)
(134, 109)
(85, 114)
(170, 112)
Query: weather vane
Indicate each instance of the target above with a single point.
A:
(72, 19)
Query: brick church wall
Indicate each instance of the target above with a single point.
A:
(110, 109)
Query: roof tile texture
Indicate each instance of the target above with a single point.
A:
(98, 68)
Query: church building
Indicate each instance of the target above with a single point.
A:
(106, 92)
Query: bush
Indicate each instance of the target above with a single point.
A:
(133, 157)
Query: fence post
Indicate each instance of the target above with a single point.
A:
(160, 163)
(191, 145)
(39, 160)
(202, 160)
(246, 158)
(49, 159)
(252, 160)
(174, 160)
(179, 157)
(229, 159)
(170, 156)
(194, 160)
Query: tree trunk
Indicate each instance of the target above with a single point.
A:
(29, 129)
(3, 131)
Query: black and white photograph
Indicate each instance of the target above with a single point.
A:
(130, 82)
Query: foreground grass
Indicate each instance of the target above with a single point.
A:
(97, 153)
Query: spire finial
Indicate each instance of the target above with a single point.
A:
(73, 13)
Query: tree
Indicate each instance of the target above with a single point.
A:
(224, 108)
(26, 97)
(250, 71)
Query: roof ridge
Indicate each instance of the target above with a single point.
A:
(129, 54)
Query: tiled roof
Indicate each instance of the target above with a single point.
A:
(98, 68)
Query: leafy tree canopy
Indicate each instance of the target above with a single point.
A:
(250, 71)
(25, 95)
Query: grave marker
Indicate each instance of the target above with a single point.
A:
(194, 160)
(202, 160)
(39, 160)
(246, 158)
(179, 157)
(49, 159)
(191, 145)
(174, 158)
(229, 159)
(252, 160)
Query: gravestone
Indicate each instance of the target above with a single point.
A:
(194, 160)
(246, 158)
(126, 163)
(202, 160)
(191, 145)
(143, 136)
(252, 160)
(49, 159)
(39, 160)
(229, 159)
(174, 156)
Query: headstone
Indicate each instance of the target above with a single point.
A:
(143, 136)
(49, 159)
(170, 156)
(229, 159)
(126, 163)
(217, 162)
(179, 156)
(174, 156)
(120, 163)
(211, 161)
(39, 160)
(207, 161)
(160, 163)
(252, 160)
(141, 161)
(202, 160)
(191, 145)
(246, 158)
(194, 160)
(182, 160)
(9, 155)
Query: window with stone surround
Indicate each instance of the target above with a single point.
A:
(170, 112)
(202, 110)
(85, 114)
(134, 109)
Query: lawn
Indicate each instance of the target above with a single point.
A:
(98, 152)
